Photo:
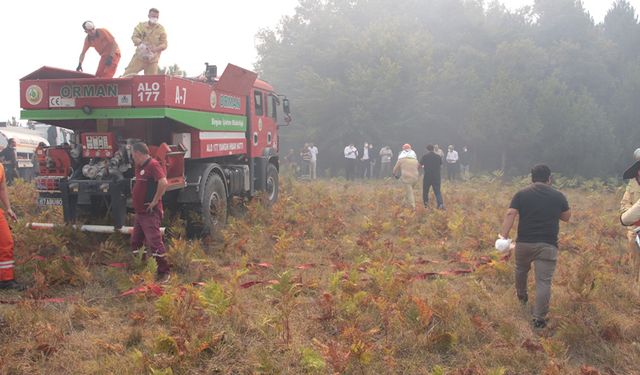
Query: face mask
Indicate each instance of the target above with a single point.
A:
(153, 20)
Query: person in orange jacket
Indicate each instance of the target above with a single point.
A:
(7, 264)
(105, 44)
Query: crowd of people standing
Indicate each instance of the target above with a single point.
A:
(408, 168)
(368, 162)
(364, 164)
(304, 164)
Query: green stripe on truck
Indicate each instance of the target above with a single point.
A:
(196, 119)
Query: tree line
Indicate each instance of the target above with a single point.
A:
(544, 83)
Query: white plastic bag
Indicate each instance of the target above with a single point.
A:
(503, 244)
(145, 52)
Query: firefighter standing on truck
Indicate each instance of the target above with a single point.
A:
(105, 45)
(7, 264)
(150, 40)
(149, 187)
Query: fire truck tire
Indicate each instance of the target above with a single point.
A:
(214, 205)
(272, 186)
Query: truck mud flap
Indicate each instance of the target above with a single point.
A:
(260, 173)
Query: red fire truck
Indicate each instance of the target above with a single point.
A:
(217, 138)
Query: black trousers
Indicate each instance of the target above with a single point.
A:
(350, 167)
(9, 173)
(429, 182)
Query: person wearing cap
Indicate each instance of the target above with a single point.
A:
(407, 152)
(630, 211)
(432, 164)
(406, 169)
(631, 195)
(150, 38)
(106, 46)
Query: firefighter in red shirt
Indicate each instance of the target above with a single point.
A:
(105, 45)
(149, 187)
(7, 280)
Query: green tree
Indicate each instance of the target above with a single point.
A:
(505, 120)
(621, 26)
(576, 137)
(508, 83)
(172, 70)
(559, 20)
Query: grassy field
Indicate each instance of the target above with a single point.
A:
(335, 278)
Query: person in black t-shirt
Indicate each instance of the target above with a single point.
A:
(432, 164)
(539, 208)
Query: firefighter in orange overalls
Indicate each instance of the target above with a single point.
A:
(105, 45)
(7, 280)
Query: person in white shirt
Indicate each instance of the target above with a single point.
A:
(314, 160)
(465, 158)
(367, 160)
(350, 157)
(452, 164)
(305, 155)
(407, 153)
(385, 161)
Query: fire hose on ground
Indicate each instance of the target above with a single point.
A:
(105, 229)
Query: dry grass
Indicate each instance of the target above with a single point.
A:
(334, 279)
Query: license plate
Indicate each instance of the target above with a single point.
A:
(47, 201)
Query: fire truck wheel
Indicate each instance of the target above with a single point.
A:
(272, 185)
(214, 205)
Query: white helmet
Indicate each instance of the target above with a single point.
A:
(636, 154)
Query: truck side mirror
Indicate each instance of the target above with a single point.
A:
(285, 106)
